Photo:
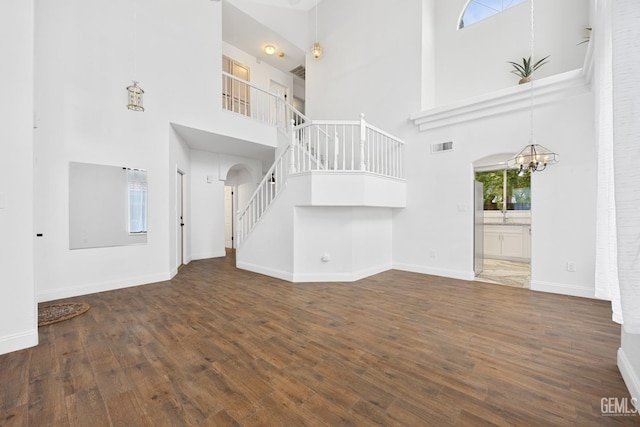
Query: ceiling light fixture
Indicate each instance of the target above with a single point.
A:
(534, 157)
(317, 49)
(269, 49)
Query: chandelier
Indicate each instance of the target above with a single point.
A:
(534, 157)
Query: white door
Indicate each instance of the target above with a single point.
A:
(278, 113)
(228, 216)
(180, 215)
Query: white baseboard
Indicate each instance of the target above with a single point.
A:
(442, 272)
(207, 255)
(563, 289)
(20, 341)
(92, 288)
(339, 277)
(278, 274)
(629, 375)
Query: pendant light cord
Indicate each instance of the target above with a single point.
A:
(135, 39)
(316, 20)
(531, 63)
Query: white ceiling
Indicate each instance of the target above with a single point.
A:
(198, 139)
(290, 4)
(250, 36)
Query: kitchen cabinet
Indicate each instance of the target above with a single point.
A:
(507, 241)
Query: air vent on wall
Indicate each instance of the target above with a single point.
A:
(441, 147)
(299, 71)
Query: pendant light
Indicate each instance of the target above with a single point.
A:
(134, 91)
(317, 49)
(534, 156)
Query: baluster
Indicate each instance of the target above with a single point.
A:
(294, 142)
(336, 147)
(363, 137)
(239, 231)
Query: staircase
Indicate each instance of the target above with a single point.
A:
(339, 167)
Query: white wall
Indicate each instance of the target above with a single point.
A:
(371, 63)
(629, 362)
(18, 324)
(356, 241)
(207, 207)
(473, 61)
(434, 233)
(260, 73)
(84, 59)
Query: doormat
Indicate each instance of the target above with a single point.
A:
(55, 313)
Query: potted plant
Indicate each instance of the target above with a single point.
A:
(525, 69)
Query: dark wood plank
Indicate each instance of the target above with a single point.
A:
(225, 347)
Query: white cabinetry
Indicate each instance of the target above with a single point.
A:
(507, 241)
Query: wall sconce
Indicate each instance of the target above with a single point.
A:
(135, 94)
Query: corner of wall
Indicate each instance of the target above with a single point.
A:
(629, 362)
(19, 341)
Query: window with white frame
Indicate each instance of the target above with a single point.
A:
(137, 195)
(477, 10)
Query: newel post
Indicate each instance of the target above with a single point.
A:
(363, 137)
(292, 163)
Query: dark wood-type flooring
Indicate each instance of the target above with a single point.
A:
(219, 346)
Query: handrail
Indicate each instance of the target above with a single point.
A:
(266, 192)
(244, 98)
(327, 145)
(341, 145)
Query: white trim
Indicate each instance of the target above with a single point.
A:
(278, 274)
(442, 272)
(340, 277)
(509, 100)
(563, 289)
(19, 341)
(110, 285)
(629, 375)
(208, 255)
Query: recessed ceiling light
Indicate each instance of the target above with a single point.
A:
(269, 49)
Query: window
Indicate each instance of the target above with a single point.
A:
(477, 10)
(510, 185)
(137, 189)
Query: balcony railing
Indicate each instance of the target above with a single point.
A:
(346, 146)
(242, 97)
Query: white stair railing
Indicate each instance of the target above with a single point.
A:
(346, 146)
(315, 145)
(262, 198)
(242, 97)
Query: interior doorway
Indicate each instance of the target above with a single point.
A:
(502, 223)
(239, 186)
(236, 94)
(228, 217)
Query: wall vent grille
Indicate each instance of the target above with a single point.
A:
(442, 147)
(299, 71)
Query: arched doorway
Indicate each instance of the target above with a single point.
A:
(502, 227)
(239, 185)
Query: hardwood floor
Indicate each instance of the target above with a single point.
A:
(224, 347)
